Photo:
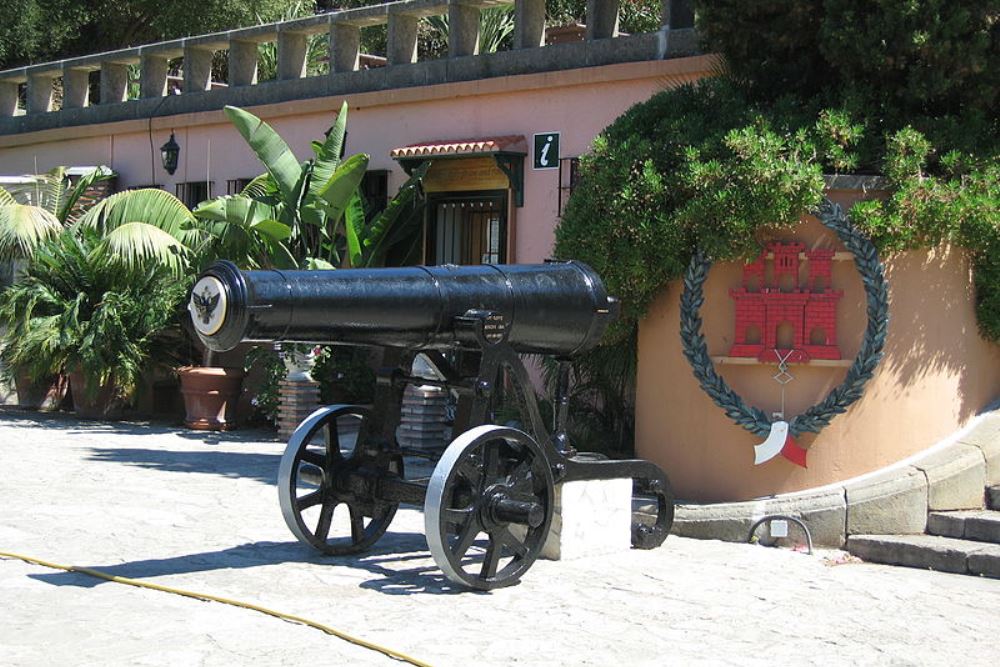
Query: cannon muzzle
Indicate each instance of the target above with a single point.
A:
(559, 308)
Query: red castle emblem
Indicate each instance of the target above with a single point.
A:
(785, 315)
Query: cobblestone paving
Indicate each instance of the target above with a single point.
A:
(200, 512)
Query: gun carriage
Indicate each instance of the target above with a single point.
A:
(494, 484)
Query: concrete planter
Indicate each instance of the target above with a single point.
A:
(210, 396)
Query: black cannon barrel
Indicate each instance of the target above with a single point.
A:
(559, 308)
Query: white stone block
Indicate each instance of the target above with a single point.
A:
(591, 518)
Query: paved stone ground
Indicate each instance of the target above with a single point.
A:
(200, 511)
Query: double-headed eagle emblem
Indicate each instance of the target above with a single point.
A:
(205, 304)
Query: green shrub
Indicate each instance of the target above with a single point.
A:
(77, 307)
(696, 166)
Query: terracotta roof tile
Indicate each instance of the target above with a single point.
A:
(486, 145)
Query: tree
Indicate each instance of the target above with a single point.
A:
(40, 30)
(902, 59)
(636, 15)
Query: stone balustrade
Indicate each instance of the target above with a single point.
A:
(343, 29)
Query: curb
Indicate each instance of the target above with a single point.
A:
(894, 500)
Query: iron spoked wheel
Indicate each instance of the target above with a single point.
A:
(321, 482)
(488, 507)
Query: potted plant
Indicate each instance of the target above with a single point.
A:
(23, 226)
(81, 311)
(171, 238)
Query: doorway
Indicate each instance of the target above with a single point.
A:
(467, 228)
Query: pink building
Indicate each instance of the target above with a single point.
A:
(503, 129)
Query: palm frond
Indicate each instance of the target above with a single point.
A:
(23, 228)
(496, 25)
(154, 207)
(137, 244)
(78, 307)
(53, 185)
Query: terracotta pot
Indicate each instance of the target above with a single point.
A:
(101, 404)
(43, 395)
(210, 396)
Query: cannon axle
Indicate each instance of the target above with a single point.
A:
(504, 510)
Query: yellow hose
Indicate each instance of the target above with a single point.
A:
(212, 598)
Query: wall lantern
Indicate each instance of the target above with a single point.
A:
(169, 153)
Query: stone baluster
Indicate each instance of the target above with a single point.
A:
(197, 69)
(602, 19)
(529, 24)
(345, 47)
(114, 82)
(8, 98)
(153, 75)
(243, 63)
(76, 88)
(40, 92)
(402, 46)
(463, 29)
(293, 48)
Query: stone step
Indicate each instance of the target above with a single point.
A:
(944, 554)
(979, 525)
(993, 497)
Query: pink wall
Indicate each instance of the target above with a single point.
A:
(937, 373)
(577, 103)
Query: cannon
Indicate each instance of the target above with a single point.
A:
(489, 502)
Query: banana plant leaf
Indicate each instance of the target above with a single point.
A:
(328, 154)
(274, 230)
(237, 210)
(262, 188)
(354, 230)
(374, 240)
(335, 195)
(314, 263)
(272, 151)
(242, 227)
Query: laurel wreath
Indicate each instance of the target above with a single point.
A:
(840, 398)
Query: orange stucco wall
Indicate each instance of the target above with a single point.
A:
(577, 103)
(936, 374)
